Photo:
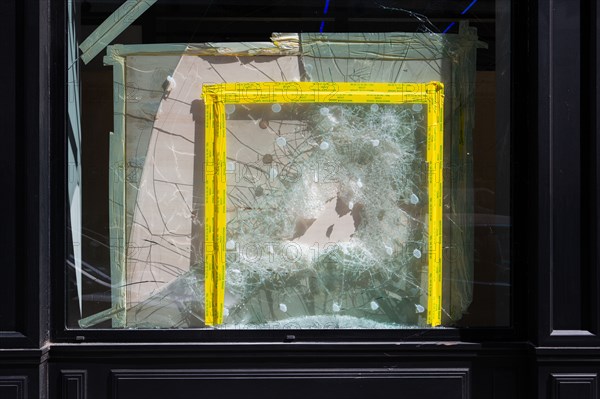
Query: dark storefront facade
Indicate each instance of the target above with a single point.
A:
(456, 148)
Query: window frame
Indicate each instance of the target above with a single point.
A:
(523, 228)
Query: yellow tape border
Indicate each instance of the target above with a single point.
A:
(217, 95)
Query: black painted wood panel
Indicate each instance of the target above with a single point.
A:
(574, 386)
(13, 387)
(567, 277)
(565, 133)
(8, 201)
(24, 127)
(295, 384)
(73, 384)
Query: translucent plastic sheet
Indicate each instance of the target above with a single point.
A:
(326, 203)
(420, 57)
(156, 187)
(110, 29)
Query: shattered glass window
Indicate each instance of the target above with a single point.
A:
(378, 200)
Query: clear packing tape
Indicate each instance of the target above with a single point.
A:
(378, 274)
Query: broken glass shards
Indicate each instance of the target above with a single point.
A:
(321, 213)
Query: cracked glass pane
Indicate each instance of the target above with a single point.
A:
(326, 209)
(329, 208)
